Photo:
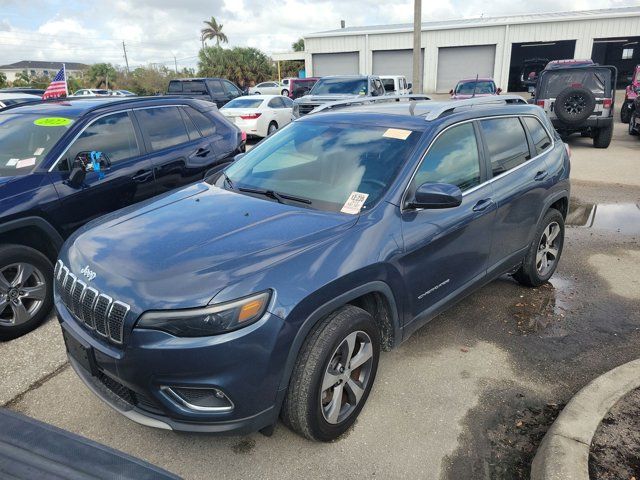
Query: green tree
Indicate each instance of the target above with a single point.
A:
(3, 80)
(22, 79)
(298, 46)
(212, 31)
(245, 66)
(102, 75)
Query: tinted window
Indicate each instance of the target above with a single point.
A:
(539, 135)
(163, 127)
(232, 88)
(453, 158)
(479, 87)
(194, 86)
(275, 103)
(175, 87)
(192, 130)
(244, 102)
(216, 87)
(112, 135)
(388, 84)
(598, 80)
(506, 143)
(288, 103)
(206, 125)
(346, 85)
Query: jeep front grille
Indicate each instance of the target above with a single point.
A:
(95, 310)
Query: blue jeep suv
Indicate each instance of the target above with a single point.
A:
(64, 163)
(271, 290)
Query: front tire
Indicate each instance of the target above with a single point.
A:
(26, 290)
(544, 253)
(333, 375)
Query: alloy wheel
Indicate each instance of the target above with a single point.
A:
(548, 249)
(575, 104)
(23, 290)
(346, 377)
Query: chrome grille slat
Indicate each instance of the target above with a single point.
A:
(95, 310)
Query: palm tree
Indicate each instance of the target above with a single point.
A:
(213, 31)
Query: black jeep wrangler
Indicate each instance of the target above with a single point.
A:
(578, 96)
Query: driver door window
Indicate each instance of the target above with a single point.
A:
(112, 135)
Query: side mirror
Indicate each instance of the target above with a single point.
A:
(88, 162)
(239, 156)
(77, 175)
(409, 85)
(436, 195)
(451, 92)
(499, 91)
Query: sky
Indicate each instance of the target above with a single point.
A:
(156, 31)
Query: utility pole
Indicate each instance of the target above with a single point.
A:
(175, 63)
(126, 60)
(417, 46)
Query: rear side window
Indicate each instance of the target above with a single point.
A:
(453, 158)
(194, 86)
(163, 127)
(539, 135)
(275, 103)
(192, 130)
(206, 125)
(215, 87)
(506, 143)
(113, 135)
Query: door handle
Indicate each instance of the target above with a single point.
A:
(143, 176)
(202, 152)
(541, 175)
(482, 205)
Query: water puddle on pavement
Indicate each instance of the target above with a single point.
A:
(616, 217)
(544, 308)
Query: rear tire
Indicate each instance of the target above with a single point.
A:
(633, 130)
(26, 290)
(330, 358)
(272, 128)
(284, 93)
(544, 253)
(602, 136)
(625, 114)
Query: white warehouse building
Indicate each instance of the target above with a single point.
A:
(489, 47)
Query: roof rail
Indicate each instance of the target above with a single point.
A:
(359, 101)
(449, 107)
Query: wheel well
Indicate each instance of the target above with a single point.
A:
(32, 237)
(377, 305)
(562, 205)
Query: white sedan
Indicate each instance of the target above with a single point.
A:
(260, 115)
(266, 88)
(7, 99)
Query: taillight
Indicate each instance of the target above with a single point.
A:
(607, 102)
(540, 103)
(251, 116)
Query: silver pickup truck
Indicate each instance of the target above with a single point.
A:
(340, 87)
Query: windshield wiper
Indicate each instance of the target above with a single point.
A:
(279, 197)
(228, 180)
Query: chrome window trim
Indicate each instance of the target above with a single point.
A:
(169, 392)
(486, 182)
(99, 117)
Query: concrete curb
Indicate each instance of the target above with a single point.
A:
(564, 451)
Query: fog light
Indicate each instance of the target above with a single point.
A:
(200, 399)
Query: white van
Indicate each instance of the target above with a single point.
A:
(395, 84)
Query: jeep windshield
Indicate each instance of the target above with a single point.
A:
(555, 81)
(25, 139)
(340, 86)
(320, 165)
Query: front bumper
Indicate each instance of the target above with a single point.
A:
(246, 365)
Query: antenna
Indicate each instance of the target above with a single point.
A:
(475, 85)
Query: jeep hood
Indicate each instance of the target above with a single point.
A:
(180, 250)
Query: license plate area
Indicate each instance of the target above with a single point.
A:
(80, 352)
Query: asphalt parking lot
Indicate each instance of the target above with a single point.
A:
(468, 396)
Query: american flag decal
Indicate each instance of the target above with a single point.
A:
(58, 87)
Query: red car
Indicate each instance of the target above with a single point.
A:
(630, 94)
(474, 87)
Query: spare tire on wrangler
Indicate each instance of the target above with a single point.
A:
(574, 105)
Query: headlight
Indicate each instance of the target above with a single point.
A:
(212, 320)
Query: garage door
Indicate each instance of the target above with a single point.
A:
(336, 64)
(455, 63)
(394, 62)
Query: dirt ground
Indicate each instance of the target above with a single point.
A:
(615, 450)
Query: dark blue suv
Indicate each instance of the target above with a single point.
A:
(67, 162)
(271, 290)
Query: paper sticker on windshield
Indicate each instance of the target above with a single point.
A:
(39, 151)
(354, 203)
(27, 162)
(397, 133)
(52, 122)
(12, 162)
